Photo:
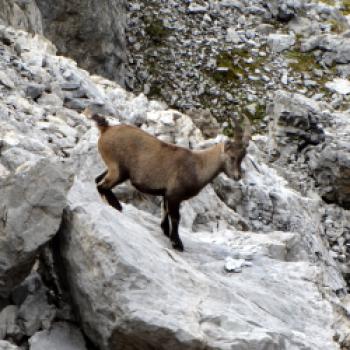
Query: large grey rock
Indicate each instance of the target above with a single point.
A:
(136, 292)
(36, 313)
(296, 122)
(90, 32)
(330, 166)
(62, 336)
(5, 345)
(21, 14)
(280, 42)
(32, 201)
(336, 49)
(304, 26)
(341, 86)
(284, 10)
(208, 295)
(6, 81)
(9, 327)
(300, 124)
(31, 285)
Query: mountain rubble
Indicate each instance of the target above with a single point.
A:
(75, 274)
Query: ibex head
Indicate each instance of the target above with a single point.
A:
(235, 151)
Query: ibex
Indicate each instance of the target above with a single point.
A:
(159, 168)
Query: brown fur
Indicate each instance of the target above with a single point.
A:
(159, 168)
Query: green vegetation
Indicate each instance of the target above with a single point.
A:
(156, 30)
(259, 115)
(234, 72)
(228, 130)
(345, 4)
(302, 61)
(336, 26)
(231, 72)
(155, 90)
(328, 2)
(234, 67)
(255, 119)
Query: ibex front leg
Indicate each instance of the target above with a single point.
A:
(165, 218)
(174, 212)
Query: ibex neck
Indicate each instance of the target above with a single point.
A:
(210, 163)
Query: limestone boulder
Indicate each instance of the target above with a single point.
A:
(284, 10)
(32, 201)
(5, 345)
(133, 291)
(92, 33)
(62, 336)
(335, 48)
(21, 14)
(330, 166)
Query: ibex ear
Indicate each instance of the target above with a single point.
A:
(237, 131)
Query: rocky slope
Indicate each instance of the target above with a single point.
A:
(92, 33)
(265, 258)
(231, 55)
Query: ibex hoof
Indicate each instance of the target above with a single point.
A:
(112, 200)
(178, 246)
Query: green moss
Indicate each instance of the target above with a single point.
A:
(243, 53)
(336, 26)
(234, 72)
(260, 113)
(302, 61)
(155, 90)
(328, 2)
(298, 38)
(156, 30)
(234, 67)
(206, 101)
(345, 5)
(228, 131)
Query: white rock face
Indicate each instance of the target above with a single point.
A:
(341, 86)
(136, 290)
(32, 204)
(280, 42)
(62, 336)
(5, 345)
(336, 48)
(8, 324)
(232, 36)
(23, 15)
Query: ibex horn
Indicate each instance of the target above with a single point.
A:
(247, 135)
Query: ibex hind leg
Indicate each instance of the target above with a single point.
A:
(104, 187)
(99, 178)
(165, 225)
(174, 212)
